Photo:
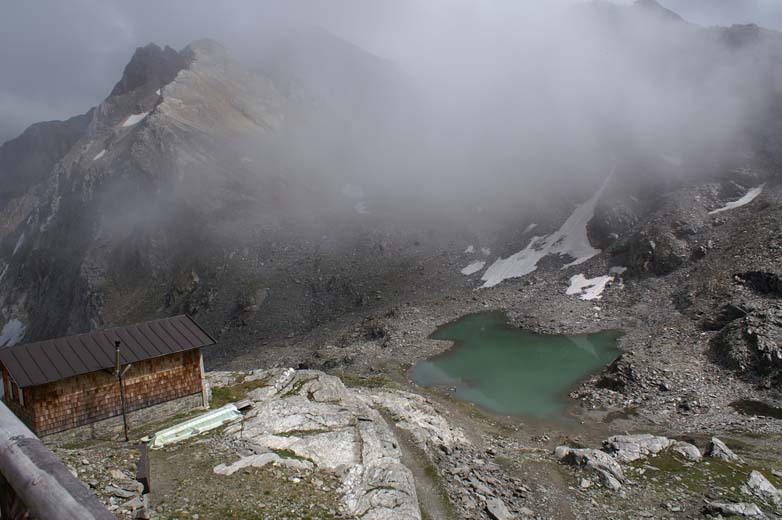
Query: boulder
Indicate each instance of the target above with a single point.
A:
(688, 451)
(627, 448)
(733, 509)
(498, 510)
(759, 486)
(718, 450)
(657, 251)
(600, 462)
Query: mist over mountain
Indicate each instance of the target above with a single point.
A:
(443, 246)
(202, 156)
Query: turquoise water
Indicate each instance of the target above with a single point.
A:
(511, 371)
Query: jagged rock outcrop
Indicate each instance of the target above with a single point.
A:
(752, 345)
(657, 251)
(608, 469)
(153, 66)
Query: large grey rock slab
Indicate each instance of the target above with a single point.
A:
(415, 414)
(325, 424)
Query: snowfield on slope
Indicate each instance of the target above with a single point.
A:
(135, 118)
(588, 288)
(473, 268)
(12, 333)
(743, 201)
(569, 240)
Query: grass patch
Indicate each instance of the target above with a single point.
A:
(185, 484)
(223, 395)
(434, 476)
(710, 477)
(290, 454)
(378, 381)
(296, 388)
(300, 433)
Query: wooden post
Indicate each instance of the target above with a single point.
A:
(143, 472)
(122, 393)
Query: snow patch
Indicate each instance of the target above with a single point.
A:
(588, 288)
(157, 92)
(486, 251)
(361, 208)
(12, 333)
(19, 243)
(4, 271)
(135, 118)
(470, 250)
(529, 228)
(473, 268)
(100, 154)
(569, 240)
(743, 201)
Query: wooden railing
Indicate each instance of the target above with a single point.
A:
(34, 483)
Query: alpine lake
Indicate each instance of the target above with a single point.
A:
(510, 371)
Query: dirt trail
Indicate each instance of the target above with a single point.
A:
(432, 497)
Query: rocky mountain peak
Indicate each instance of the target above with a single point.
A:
(654, 7)
(150, 64)
(205, 48)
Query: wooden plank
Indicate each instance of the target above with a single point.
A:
(143, 473)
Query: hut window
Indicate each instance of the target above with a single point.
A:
(14, 391)
(21, 396)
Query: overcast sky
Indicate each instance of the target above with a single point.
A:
(58, 59)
